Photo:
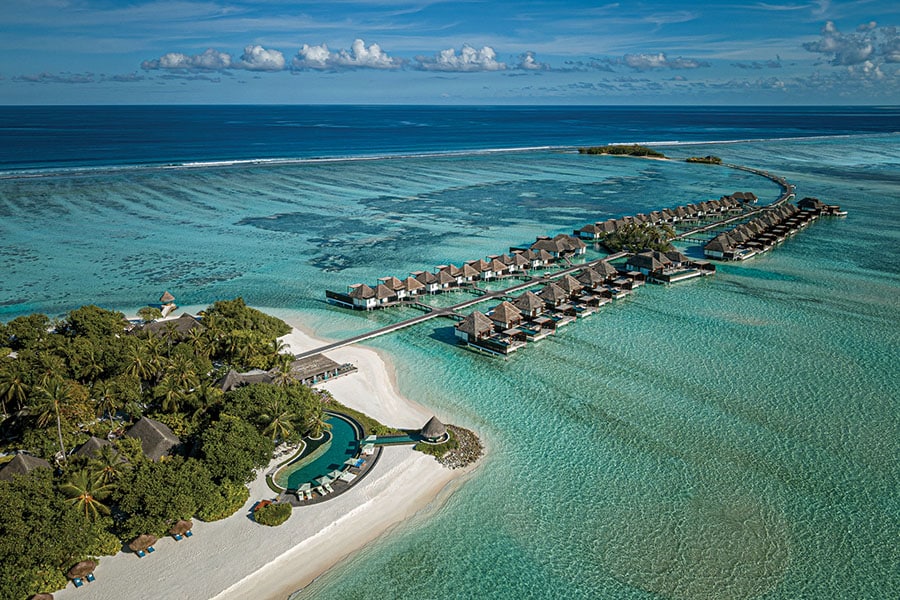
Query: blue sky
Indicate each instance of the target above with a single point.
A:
(449, 52)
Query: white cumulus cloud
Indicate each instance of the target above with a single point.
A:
(646, 62)
(359, 56)
(210, 60)
(468, 60)
(528, 62)
(257, 58)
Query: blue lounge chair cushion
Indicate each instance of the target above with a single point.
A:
(90, 577)
(188, 533)
(177, 537)
(151, 549)
(78, 582)
(141, 554)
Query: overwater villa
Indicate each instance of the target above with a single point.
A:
(668, 267)
(764, 232)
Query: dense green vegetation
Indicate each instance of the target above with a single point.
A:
(438, 450)
(63, 382)
(709, 160)
(635, 237)
(273, 514)
(623, 150)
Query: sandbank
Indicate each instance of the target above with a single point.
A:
(236, 558)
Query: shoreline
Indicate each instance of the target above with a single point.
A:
(236, 558)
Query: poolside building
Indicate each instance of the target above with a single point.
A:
(434, 431)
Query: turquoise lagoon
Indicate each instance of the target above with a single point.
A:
(730, 437)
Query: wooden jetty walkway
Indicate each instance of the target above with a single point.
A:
(787, 192)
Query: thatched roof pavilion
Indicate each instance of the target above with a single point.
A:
(433, 430)
(22, 464)
(81, 569)
(157, 440)
(361, 291)
(569, 284)
(233, 379)
(181, 527)
(179, 327)
(506, 315)
(166, 298)
(142, 542)
(91, 447)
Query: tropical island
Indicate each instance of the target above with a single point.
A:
(707, 160)
(623, 150)
(118, 433)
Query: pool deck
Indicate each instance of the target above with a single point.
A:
(338, 485)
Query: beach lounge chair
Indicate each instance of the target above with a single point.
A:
(177, 537)
(321, 491)
(328, 487)
(89, 577)
(141, 553)
(78, 582)
(151, 549)
(188, 533)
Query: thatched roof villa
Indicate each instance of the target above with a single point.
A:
(22, 464)
(157, 440)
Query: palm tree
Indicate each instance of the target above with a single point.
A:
(317, 424)
(170, 394)
(108, 466)
(138, 364)
(279, 421)
(55, 394)
(50, 368)
(86, 491)
(106, 398)
(205, 397)
(12, 386)
(89, 366)
(283, 373)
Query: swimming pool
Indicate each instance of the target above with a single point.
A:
(344, 444)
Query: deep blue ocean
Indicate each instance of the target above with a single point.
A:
(731, 438)
(59, 137)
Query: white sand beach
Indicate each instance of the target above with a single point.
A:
(236, 558)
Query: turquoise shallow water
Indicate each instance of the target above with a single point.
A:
(732, 437)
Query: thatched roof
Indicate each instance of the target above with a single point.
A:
(426, 277)
(157, 440)
(22, 464)
(361, 291)
(166, 297)
(313, 366)
(469, 270)
(433, 429)
(569, 284)
(411, 284)
(553, 294)
(506, 313)
(605, 269)
(142, 542)
(91, 447)
(444, 277)
(476, 324)
(181, 326)
(181, 526)
(529, 303)
(233, 379)
(392, 282)
(81, 569)
(591, 278)
(382, 291)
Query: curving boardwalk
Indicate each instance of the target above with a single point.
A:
(451, 311)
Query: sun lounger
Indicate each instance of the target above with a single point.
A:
(188, 533)
(321, 491)
(177, 537)
(328, 487)
(141, 553)
(78, 582)
(90, 577)
(151, 549)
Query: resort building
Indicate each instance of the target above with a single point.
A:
(157, 440)
(317, 368)
(560, 246)
(167, 303)
(174, 328)
(505, 316)
(234, 380)
(529, 305)
(474, 327)
(90, 448)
